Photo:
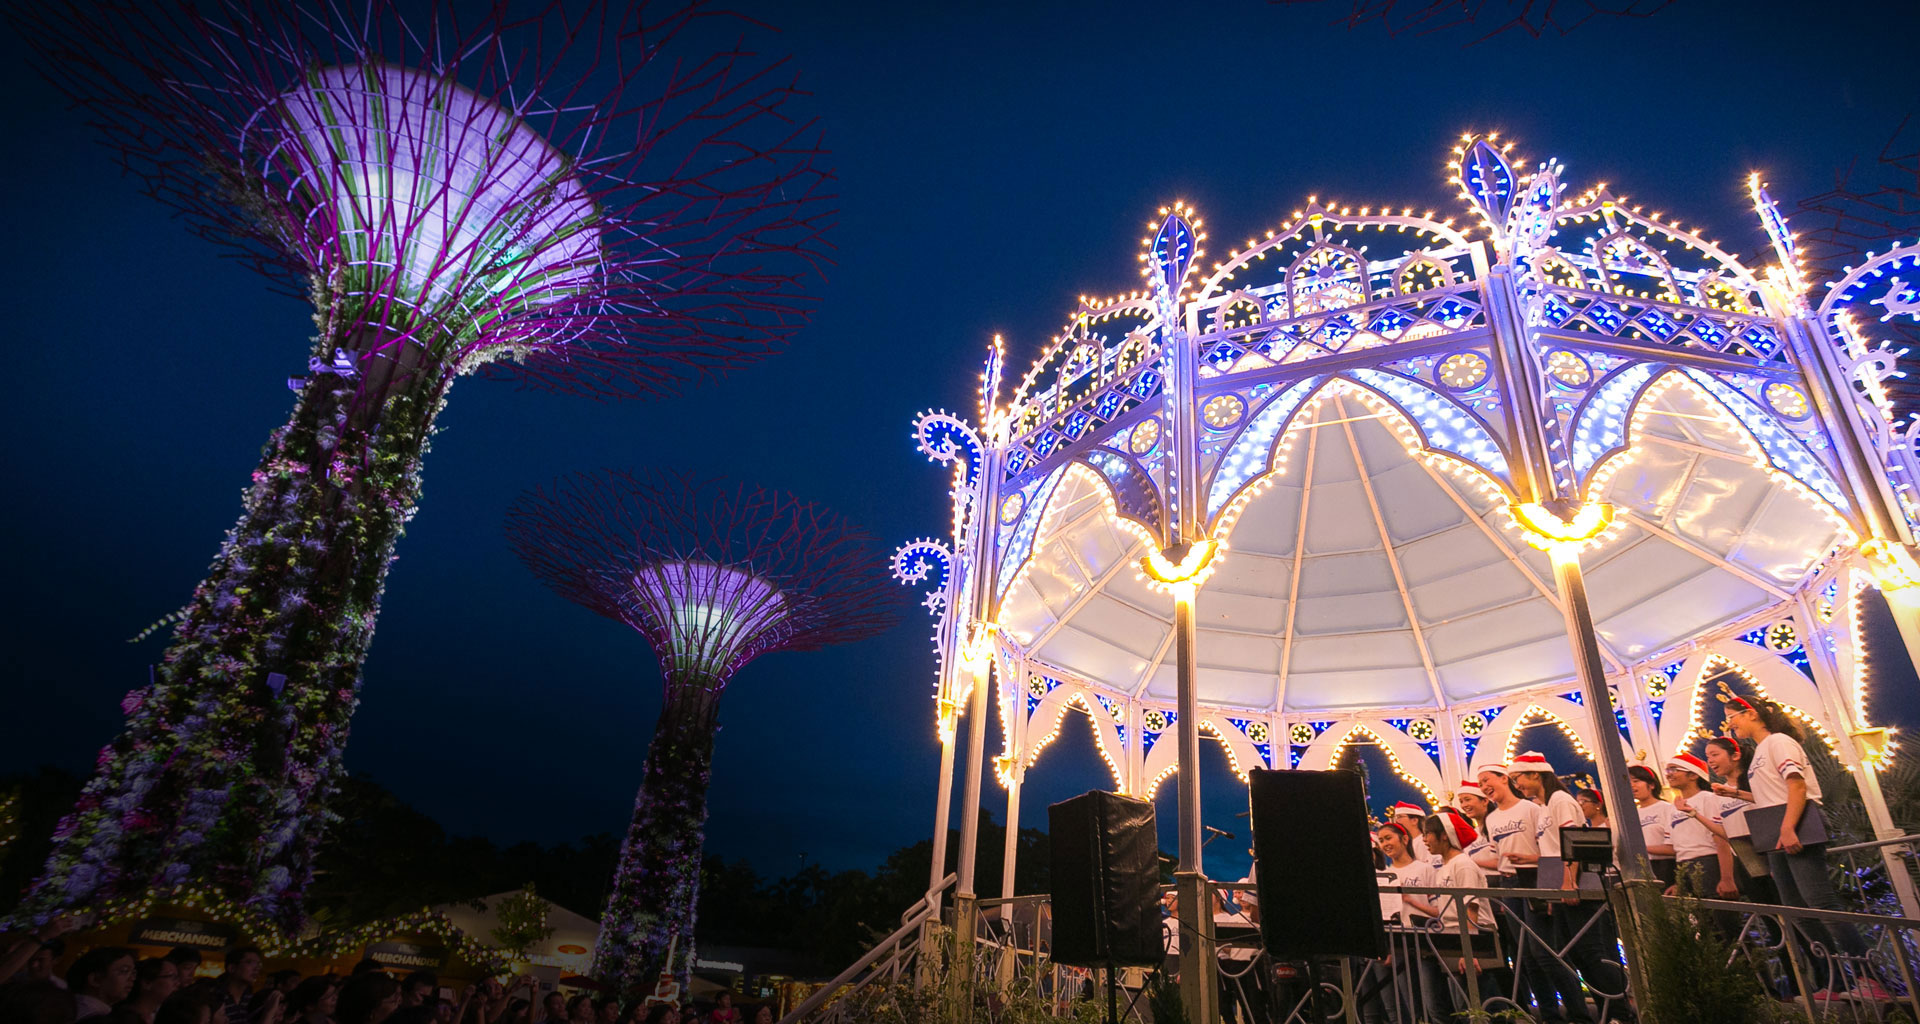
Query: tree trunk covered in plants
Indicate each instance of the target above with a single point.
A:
(651, 907)
(230, 752)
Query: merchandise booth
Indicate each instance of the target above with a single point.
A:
(1391, 477)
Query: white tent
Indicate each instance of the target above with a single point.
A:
(569, 948)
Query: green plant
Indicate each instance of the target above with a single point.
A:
(523, 922)
(1693, 976)
(1163, 998)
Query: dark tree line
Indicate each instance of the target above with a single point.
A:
(383, 858)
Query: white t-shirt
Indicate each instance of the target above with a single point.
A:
(1238, 950)
(1515, 829)
(1692, 839)
(1656, 821)
(1462, 873)
(1561, 809)
(1483, 853)
(1735, 819)
(1392, 904)
(1775, 759)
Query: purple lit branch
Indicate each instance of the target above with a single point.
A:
(727, 569)
(552, 189)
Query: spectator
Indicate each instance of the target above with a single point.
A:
(763, 1014)
(663, 1013)
(155, 980)
(99, 979)
(607, 1011)
(284, 980)
(314, 1000)
(723, 1011)
(555, 1005)
(31, 957)
(580, 1009)
(416, 987)
(269, 1007)
(37, 1002)
(188, 1006)
(186, 960)
(233, 990)
(40, 964)
(368, 998)
(499, 1006)
(421, 1014)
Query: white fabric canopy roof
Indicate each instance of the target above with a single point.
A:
(1406, 586)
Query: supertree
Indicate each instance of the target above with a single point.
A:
(714, 575)
(554, 194)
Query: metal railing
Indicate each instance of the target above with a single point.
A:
(1867, 875)
(888, 961)
(1835, 966)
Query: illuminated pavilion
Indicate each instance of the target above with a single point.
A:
(1390, 477)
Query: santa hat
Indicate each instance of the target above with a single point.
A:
(1468, 788)
(1463, 831)
(1688, 763)
(1491, 766)
(1404, 807)
(1531, 761)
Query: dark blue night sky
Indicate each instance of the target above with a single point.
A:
(995, 160)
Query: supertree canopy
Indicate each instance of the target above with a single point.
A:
(612, 200)
(714, 575)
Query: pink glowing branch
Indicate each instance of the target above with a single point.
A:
(713, 574)
(563, 196)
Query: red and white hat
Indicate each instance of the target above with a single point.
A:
(1405, 833)
(1467, 787)
(1491, 766)
(1404, 807)
(1688, 763)
(1531, 761)
(1463, 830)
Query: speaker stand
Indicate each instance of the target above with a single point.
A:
(1113, 994)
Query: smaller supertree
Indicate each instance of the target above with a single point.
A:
(714, 575)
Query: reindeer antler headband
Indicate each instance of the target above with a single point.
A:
(1729, 698)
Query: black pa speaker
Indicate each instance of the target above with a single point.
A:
(1106, 880)
(1313, 860)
